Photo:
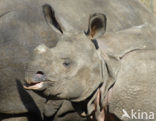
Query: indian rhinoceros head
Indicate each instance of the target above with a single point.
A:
(72, 69)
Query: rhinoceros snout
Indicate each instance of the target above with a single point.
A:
(39, 76)
(35, 77)
(36, 82)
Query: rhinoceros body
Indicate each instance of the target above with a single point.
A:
(121, 42)
(134, 88)
(23, 27)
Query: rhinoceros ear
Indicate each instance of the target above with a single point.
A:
(51, 19)
(97, 25)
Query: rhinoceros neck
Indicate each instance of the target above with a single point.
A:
(107, 80)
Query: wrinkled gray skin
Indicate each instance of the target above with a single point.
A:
(23, 27)
(74, 69)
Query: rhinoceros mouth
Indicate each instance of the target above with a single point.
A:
(37, 83)
(35, 86)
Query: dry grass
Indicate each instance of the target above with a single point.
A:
(151, 4)
(148, 3)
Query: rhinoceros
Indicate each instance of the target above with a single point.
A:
(117, 79)
(23, 27)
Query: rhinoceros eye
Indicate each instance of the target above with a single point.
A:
(67, 62)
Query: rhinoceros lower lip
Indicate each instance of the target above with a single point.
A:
(34, 86)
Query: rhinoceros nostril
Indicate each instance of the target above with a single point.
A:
(40, 72)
